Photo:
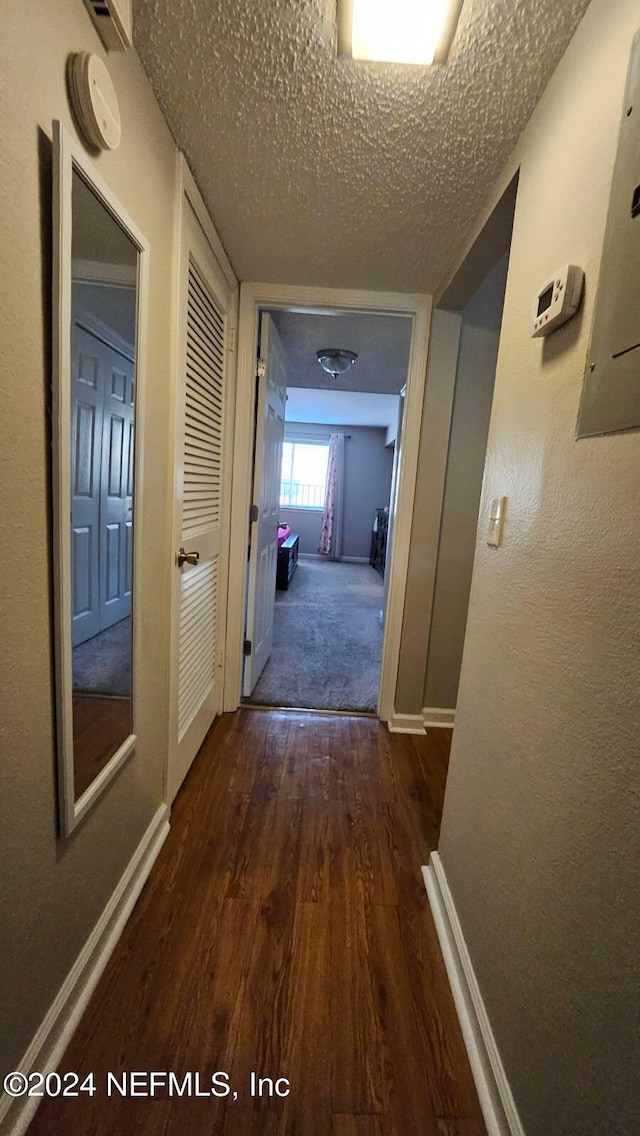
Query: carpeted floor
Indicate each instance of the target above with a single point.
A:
(102, 665)
(327, 643)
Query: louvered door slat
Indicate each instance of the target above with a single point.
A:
(203, 411)
(199, 343)
(197, 643)
(203, 363)
(201, 496)
(201, 301)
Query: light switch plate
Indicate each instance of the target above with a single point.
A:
(496, 521)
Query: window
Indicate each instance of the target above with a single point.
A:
(304, 474)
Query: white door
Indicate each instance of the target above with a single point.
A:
(198, 602)
(101, 479)
(263, 557)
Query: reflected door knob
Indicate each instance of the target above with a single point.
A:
(183, 557)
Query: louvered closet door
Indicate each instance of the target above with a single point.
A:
(198, 647)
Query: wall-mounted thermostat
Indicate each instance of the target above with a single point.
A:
(558, 300)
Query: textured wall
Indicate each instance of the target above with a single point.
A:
(54, 890)
(367, 486)
(472, 399)
(540, 836)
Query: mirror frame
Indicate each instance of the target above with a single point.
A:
(67, 156)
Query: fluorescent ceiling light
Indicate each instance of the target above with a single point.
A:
(397, 31)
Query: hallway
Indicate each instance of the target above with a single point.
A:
(285, 929)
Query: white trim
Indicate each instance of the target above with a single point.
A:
(406, 723)
(352, 559)
(496, 1099)
(431, 718)
(253, 297)
(52, 1037)
(107, 275)
(189, 189)
(434, 716)
(102, 331)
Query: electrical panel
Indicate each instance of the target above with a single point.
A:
(611, 394)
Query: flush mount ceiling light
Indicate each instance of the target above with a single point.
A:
(335, 361)
(397, 31)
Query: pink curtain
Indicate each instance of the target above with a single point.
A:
(330, 534)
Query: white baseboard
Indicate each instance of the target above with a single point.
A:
(353, 559)
(433, 716)
(417, 723)
(53, 1036)
(496, 1099)
(406, 723)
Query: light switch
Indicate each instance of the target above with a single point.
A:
(496, 521)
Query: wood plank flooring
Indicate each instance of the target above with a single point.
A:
(285, 931)
(100, 725)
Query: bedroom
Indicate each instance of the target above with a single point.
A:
(341, 430)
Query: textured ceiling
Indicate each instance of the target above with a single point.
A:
(319, 170)
(382, 344)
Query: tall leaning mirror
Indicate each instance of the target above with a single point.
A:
(99, 274)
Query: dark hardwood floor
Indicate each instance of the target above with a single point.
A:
(285, 931)
(100, 725)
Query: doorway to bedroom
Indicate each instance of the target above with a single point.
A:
(325, 475)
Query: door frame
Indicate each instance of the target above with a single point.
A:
(266, 477)
(324, 301)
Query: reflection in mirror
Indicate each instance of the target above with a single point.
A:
(102, 415)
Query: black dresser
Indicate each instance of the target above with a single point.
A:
(287, 561)
(379, 530)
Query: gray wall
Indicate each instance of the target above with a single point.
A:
(54, 890)
(475, 374)
(367, 485)
(540, 835)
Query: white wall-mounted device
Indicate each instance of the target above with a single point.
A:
(113, 19)
(557, 301)
(94, 100)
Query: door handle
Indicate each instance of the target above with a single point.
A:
(183, 557)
